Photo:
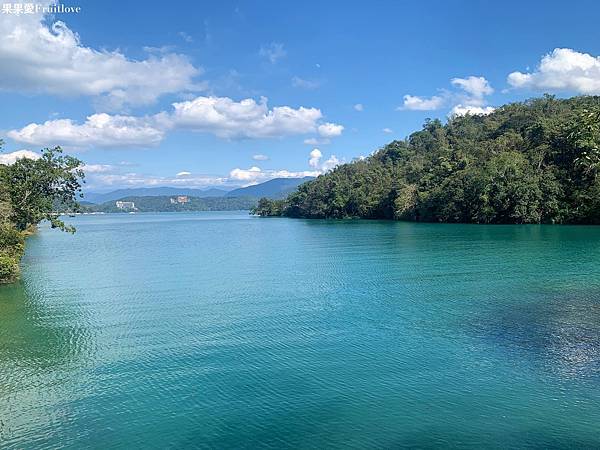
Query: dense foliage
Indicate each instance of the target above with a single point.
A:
(30, 191)
(531, 162)
(164, 204)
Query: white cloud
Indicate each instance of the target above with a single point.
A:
(329, 130)
(471, 94)
(331, 163)
(221, 116)
(415, 103)
(316, 141)
(245, 177)
(132, 179)
(305, 84)
(113, 176)
(245, 174)
(359, 107)
(10, 158)
(462, 110)
(97, 168)
(562, 70)
(476, 87)
(44, 57)
(273, 52)
(255, 175)
(247, 118)
(315, 158)
(99, 130)
(387, 130)
(101, 176)
(260, 157)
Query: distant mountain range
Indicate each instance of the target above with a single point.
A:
(164, 204)
(150, 192)
(275, 189)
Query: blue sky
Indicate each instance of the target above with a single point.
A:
(192, 93)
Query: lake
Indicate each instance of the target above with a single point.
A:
(222, 330)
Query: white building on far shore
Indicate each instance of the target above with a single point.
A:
(180, 199)
(125, 205)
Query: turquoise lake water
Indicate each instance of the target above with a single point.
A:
(221, 330)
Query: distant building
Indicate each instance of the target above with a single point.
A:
(180, 199)
(125, 205)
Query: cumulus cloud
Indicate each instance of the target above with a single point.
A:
(476, 87)
(245, 174)
(247, 118)
(329, 130)
(387, 130)
(470, 93)
(315, 158)
(359, 107)
(416, 103)
(255, 175)
(563, 69)
(10, 158)
(99, 130)
(221, 116)
(183, 174)
(48, 57)
(260, 157)
(462, 110)
(273, 52)
(330, 163)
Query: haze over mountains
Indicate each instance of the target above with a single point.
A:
(118, 194)
(276, 188)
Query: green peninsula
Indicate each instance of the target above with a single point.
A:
(531, 162)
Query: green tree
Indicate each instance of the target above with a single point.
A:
(267, 207)
(585, 137)
(536, 161)
(36, 188)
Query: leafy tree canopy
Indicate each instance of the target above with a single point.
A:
(35, 188)
(531, 162)
(31, 191)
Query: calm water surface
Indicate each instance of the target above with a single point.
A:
(221, 330)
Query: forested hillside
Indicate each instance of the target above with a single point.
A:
(531, 162)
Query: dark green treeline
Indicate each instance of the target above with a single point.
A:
(531, 162)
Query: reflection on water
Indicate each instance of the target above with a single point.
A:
(558, 330)
(42, 348)
(219, 330)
